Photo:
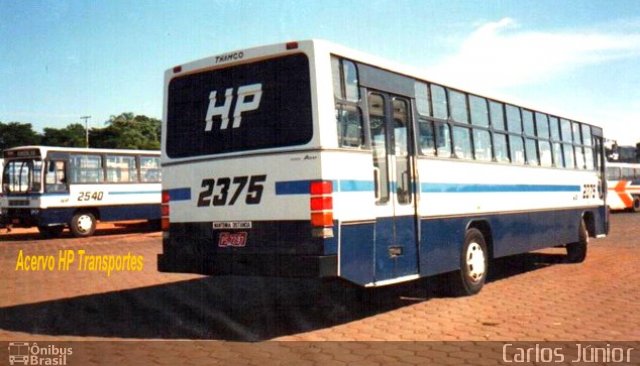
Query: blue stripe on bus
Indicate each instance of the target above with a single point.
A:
(356, 185)
(302, 186)
(488, 188)
(293, 187)
(180, 194)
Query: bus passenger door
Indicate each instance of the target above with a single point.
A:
(396, 247)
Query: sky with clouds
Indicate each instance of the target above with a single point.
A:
(62, 59)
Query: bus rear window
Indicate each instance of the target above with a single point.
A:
(254, 106)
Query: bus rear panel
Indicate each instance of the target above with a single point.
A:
(242, 176)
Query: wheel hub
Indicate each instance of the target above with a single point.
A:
(84, 223)
(475, 262)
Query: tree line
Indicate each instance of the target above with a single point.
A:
(124, 131)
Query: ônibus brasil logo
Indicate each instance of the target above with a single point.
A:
(25, 353)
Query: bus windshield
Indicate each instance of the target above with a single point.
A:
(22, 176)
(264, 104)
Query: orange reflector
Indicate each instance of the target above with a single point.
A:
(319, 219)
(177, 69)
(164, 224)
(164, 210)
(321, 187)
(321, 203)
(292, 45)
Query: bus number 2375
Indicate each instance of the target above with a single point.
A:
(226, 191)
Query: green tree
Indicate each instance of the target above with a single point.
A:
(127, 131)
(17, 134)
(71, 136)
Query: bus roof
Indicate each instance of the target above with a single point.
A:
(46, 149)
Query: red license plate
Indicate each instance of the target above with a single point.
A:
(226, 239)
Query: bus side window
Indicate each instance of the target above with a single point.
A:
(558, 159)
(443, 140)
(458, 106)
(532, 152)
(546, 158)
(462, 142)
(514, 121)
(150, 169)
(427, 137)
(349, 121)
(497, 115)
(569, 156)
(589, 157)
(345, 79)
(121, 169)
(482, 144)
(516, 149)
(86, 169)
(439, 102)
(56, 178)
(501, 147)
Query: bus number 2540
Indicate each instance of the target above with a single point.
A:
(226, 191)
(90, 196)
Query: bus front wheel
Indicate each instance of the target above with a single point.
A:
(474, 263)
(636, 204)
(83, 224)
(577, 252)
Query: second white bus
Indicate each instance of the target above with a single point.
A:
(56, 187)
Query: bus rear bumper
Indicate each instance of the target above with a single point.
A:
(269, 265)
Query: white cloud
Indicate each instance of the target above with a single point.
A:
(500, 54)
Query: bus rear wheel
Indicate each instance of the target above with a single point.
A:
(474, 263)
(636, 204)
(577, 252)
(49, 232)
(83, 224)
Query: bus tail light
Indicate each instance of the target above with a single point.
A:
(321, 205)
(322, 219)
(164, 211)
(321, 187)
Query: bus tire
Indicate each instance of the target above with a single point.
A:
(49, 232)
(474, 263)
(82, 224)
(577, 252)
(636, 204)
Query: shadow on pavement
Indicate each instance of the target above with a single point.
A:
(102, 230)
(232, 308)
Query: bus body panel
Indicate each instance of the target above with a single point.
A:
(417, 231)
(55, 203)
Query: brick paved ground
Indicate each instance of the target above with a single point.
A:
(529, 297)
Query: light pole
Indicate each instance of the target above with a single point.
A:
(86, 129)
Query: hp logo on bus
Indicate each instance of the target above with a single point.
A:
(248, 99)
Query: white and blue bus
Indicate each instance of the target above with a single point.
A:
(57, 187)
(308, 159)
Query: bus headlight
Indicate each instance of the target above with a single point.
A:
(35, 212)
